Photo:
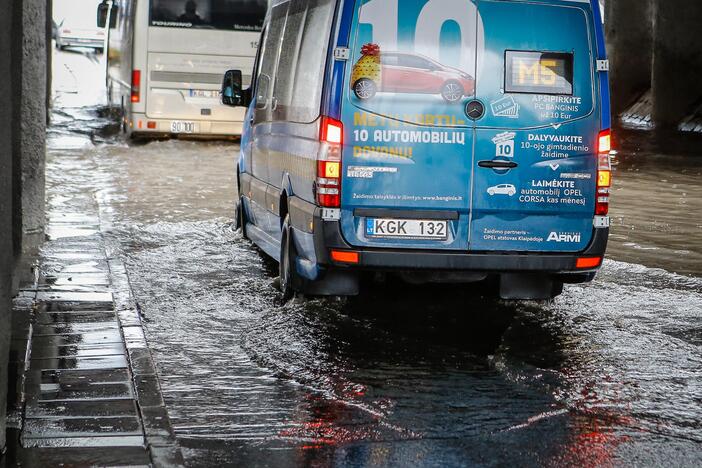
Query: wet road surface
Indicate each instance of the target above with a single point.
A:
(607, 374)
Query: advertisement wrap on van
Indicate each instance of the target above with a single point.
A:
(458, 140)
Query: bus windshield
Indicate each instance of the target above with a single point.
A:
(230, 15)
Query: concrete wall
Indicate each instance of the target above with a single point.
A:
(29, 81)
(22, 156)
(6, 250)
(629, 30)
(677, 60)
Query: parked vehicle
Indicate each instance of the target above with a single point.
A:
(166, 59)
(74, 25)
(507, 184)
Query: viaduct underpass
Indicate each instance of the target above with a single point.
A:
(655, 51)
(655, 48)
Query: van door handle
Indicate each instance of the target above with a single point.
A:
(498, 164)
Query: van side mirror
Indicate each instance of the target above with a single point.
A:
(232, 93)
(102, 10)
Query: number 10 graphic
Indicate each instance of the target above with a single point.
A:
(428, 27)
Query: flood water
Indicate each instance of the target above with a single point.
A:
(609, 373)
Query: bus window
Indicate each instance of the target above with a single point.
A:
(231, 15)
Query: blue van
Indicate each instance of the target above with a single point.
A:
(436, 140)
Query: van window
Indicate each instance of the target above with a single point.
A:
(414, 61)
(288, 61)
(309, 76)
(269, 61)
(298, 92)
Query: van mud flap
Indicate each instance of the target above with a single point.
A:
(333, 282)
(515, 286)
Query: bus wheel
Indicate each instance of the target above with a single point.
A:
(289, 279)
(452, 91)
(365, 88)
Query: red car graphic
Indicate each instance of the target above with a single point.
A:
(403, 72)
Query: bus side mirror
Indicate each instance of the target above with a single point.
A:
(102, 10)
(232, 94)
(102, 14)
(113, 16)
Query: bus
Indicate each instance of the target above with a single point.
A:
(75, 24)
(435, 140)
(165, 61)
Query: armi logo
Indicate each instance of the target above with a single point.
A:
(564, 237)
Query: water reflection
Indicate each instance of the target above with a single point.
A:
(657, 201)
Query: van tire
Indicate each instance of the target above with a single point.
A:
(452, 91)
(365, 89)
(290, 281)
(240, 221)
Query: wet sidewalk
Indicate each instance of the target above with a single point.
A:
(88, 393)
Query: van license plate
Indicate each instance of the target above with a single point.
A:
(179, 126)
(407, 228)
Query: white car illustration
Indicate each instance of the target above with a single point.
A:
(502, 189)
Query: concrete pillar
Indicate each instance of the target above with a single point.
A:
(6, 250)
(49, 57)
(29, 84)
(629, 31)
(677, 60)
(22, 157)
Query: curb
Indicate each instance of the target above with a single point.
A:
(158, 432)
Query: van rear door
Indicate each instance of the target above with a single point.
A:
(535, 165)
(407, 154)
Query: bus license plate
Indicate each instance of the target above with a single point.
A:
(183, 127)
(204, 93)
(407, 228)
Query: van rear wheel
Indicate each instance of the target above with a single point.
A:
(290, 281)
(240, 218)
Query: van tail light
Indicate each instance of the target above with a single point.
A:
(136, 85)
(604, 172)
(604, 142)
(332, 131)
(328, 184)
(344, 256)
(588, 262)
